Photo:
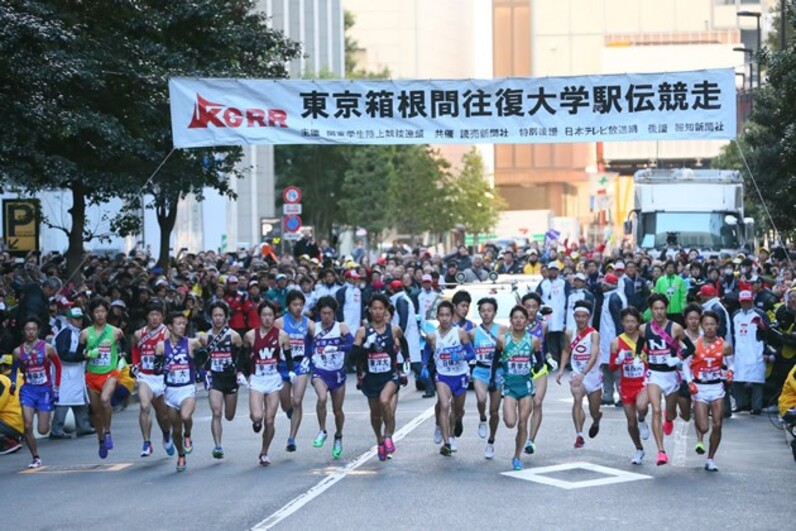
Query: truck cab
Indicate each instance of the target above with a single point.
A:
(685, 208)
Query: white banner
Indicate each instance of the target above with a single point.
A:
(698, 104)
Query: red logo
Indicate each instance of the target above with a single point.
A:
(206, 114)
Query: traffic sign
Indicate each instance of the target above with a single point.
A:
(292, 223)
(294, 236)
(291, 194)
(21, 225)
(291, 209)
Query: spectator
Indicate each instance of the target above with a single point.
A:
(750, 367)
(578, 293)
(534, 266)
(476, 272)
(71, 394)
(349, 301)
(508, 266)
(674, 287)
(610, 326)
(554, 291)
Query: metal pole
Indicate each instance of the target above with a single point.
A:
(782, 24)
(759, 35)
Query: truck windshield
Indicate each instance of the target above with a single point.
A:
(705, 230)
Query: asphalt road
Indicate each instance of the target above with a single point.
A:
(417, 489)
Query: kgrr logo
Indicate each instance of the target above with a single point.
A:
(206, 114)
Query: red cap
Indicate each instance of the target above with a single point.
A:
(745, 296)
(610, 278)
(351, 273)
(396, 285)
(707, 291)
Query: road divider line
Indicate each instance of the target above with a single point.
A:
(329, 481)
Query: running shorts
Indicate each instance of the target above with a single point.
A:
(629, 390)
(301, 366)
(707, 393)
(373, 383)
(38, 397)
(225, 382)
(154, 382)
(668, 381)
(518, 387)
(333, 379)
(457, 384)
(175, 396)
(593, 381)
(95, 382)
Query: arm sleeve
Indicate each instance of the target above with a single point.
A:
(404, 348)
(358, 355)
(689, 377)
(289, 359)
(14, 371)
(348, 341)
(426, 354)
(403, 313)
(244, 360)
(689, 349)
(469, 351)
(309, 345)
(56, 361)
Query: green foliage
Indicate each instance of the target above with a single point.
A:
(478, 207)
(773, 38)
(365, 201)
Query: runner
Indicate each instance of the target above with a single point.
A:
(180, 357)
(485, 338)
(223, 346)
(704, 371)
(451, 349)
(376, 356)
(662, 337)
(300, 330)
(332, 342)
(693, 317)
(586, 379)
(627, 353)
(269, 346)
(148, 371)
(537, 328)
(39, 392)
(515, 355)
(101, 343)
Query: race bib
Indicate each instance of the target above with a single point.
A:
(519, 366)
(179, 375)
(148, 362)
(265, 368)
(710, 374)
(484, 354)
(633, 369)
(104, 357)
(297, 346)
(219, 360)
(379, 362)
(658, 359)
(36, 376)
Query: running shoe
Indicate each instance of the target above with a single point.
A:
(437, 435)
(452, 443)
(182, 464)
(337, 449)
(710, 466)
(638, 457)
(103, 450)
(36, 463)
(382, 452)
(482, 430)
(389, 445)
(9, 445)
(168, 444)
(291, 445)
(489, 451)
(257, 426)
(187, 445)
(530, 447)
(579, 442)
(108, 441)
(320, 439)
(218, 453)
(516, 463)
(146, 451)
(595, 427)
(699, 448)
(458, 429)
(264, 461)
(662, 458)
(644, 429)
(668, 426)
(446, 450)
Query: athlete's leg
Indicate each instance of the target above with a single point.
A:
(144, 416)
(298, 396)
(97, 413)
(256, 407)
(538, 398)
(187, 408)
(30, 438)
(458, 408)
(376, 419)
(655, 393)
(631, 413)
(444, 401)
(285, 397)
(388, 394)
(162, 413)
(480, 398)
(594, 405)
(338, 396)
(671, 406)
(105, 400)
(510, 414)
(230, 405)
(321, 389)
(271, 405)
(578, 416)
(525, 404)
(494, 414)
(176, 430)
(216, 399)
(684, 407)
(44, 422)
(717, 410)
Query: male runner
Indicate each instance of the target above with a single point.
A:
(181, 356)
(300, 330)
(148, 371)
(223, 346)
(376, 354)
(39, 393)
(332, 341)
(537, 327)
(705, 372)
(451, 349)
(485, 338)
(269, 346)
(101, 343)
(693, 329)
(586, 379)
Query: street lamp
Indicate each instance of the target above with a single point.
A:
(755, 14)
(746, 51)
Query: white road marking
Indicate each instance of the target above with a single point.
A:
(322, 486)
(537, 475)
(680, 443)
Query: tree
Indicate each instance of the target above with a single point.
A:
(477, 206)
(773, 39)
(86, 82)
(365, 200)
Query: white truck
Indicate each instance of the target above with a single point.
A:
(691, 209)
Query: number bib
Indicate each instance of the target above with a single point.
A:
(519, 365)
(179, 374)
(297, 346)
(656, 358)
(148, 362)
(104, 357)
(266, 367)
(633, 368)
(328, 361)
(36, 376)
(483, 354)
(219, 360)
(379, 362)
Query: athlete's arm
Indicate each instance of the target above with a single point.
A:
(499, 346)
(729, 360)
(14, 369)
(595, 352)
(56, 361)
(284, 343)
(357, 351)
(538, 354)
(280, 323)
(135, 351)
(348, 339)
(612, 364)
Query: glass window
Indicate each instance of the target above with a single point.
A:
(703, 230)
